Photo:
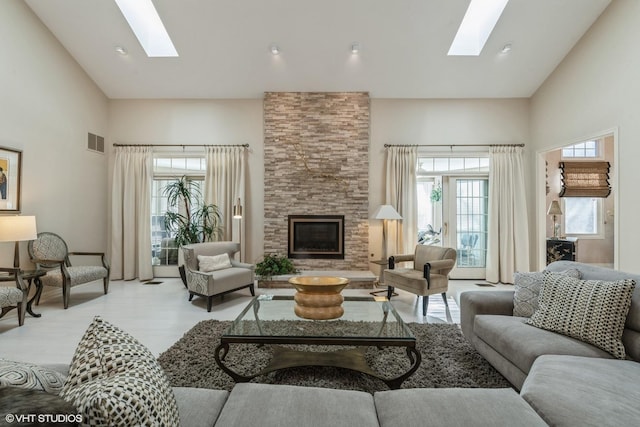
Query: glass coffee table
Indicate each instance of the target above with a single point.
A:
(296, 342)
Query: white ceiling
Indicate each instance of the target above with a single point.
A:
(224, 47)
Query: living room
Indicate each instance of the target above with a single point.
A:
(50, 103)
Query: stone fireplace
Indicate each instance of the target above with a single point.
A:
(316, 236)
(316, 160)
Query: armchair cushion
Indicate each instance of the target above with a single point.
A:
(79, 275)
(10, 296)
(213, 262)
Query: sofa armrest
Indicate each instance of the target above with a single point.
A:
(473, 303)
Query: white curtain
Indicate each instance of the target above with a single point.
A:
(224, 184)
(508, 229)
(131, 214)
(401, 193)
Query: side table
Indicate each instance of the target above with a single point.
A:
(33, 276)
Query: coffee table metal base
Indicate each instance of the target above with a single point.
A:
(352, 359)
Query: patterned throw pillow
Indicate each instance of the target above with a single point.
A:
(527, 289)
(30, 376)
(115, 380)
(593, 311)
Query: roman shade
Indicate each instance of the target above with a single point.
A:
(585, 179)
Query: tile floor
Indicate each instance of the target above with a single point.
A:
(158, 315)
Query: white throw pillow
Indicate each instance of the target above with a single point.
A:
(213, 263)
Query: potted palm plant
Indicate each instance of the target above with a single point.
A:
(188, 220)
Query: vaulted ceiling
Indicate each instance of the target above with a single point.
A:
(223, 47)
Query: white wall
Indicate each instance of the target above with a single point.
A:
(438, 121)
(595, 89)
(200, 122)
(47, 106)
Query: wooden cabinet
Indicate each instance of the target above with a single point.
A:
(561, 249)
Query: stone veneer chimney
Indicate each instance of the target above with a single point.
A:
(316, 160)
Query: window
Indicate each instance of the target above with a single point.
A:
(167, 169)
(583, 150)
(582, 217)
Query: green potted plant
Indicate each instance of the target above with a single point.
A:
(186, 220)
(274, 265)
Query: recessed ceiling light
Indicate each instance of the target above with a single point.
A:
(355, 47)
(476, 26)
(146, 24)
(506, 48)
(121, 50)
(274, 49)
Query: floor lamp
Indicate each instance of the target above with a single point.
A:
(237, 214)
(17, 228)
(385, 213)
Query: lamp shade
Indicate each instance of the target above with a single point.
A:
(554, 208)
(17, 228)
(386, 212)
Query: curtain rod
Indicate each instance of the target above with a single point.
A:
(453, 145)
(181, 145)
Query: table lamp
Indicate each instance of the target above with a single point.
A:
(554, 211)
(17, 228)
(385, 213)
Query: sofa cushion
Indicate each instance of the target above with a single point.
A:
(199, 406)
(593, 311)
(30, 376)
(522, 344)
(268, 405)
(115, 380)
(527, 290)
(454, 407)
(213, 262)
(584, 391)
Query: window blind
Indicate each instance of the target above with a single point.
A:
(585, 179)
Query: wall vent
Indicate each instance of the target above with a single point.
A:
(95, 143)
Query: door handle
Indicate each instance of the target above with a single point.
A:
(445, 229)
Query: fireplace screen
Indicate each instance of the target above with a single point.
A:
(316, 236)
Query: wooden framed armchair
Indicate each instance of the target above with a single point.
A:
(13, 296)
(429, 274)
(228, 276)
(49, 252)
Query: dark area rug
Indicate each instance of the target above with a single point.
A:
(448, 360)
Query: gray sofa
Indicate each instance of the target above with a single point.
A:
(567, 381)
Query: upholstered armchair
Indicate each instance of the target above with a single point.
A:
(211, 270)
(49, 252)
(429, 274)
(13, 296)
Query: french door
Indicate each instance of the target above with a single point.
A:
(452, 211)
(466, 224)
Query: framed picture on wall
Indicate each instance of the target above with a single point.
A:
(10, 180)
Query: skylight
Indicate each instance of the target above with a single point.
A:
(147, 26)
(476, 26)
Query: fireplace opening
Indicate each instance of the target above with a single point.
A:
(316, 236)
